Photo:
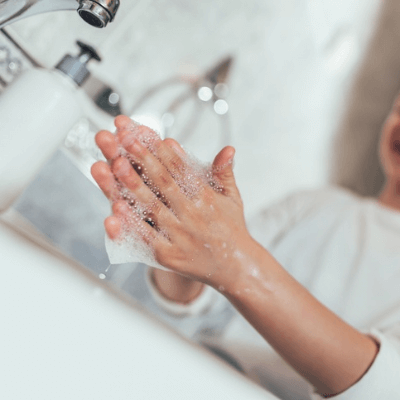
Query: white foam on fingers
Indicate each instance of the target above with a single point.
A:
(130, 246)
(130, 250)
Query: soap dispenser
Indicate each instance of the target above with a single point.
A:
(36, 113)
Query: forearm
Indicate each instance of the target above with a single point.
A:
(328, 352)
(176, 287)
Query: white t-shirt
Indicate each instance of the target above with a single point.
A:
(346, 251)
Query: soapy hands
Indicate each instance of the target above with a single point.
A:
(191, 218)
(193, 221)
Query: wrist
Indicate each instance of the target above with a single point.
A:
(175, 287)
(249, 268)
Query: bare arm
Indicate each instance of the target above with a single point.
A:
(207, 241)
(329, 353)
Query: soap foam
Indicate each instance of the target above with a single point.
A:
(134, 242)
(194, 176)
(131, 248)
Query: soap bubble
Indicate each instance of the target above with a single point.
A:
(134, 243)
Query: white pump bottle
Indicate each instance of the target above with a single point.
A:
(36, 113)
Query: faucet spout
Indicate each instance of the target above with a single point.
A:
(97, 13)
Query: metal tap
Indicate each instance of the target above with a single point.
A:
(97, 13)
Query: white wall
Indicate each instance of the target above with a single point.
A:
(294, 64)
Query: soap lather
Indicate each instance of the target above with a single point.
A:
(36, 112)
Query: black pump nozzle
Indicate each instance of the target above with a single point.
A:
(76, 67)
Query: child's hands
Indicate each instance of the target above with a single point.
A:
(194, 230)
(201, 234)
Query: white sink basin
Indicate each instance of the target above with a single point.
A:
(66, 335)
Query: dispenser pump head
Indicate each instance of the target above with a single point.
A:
(76, 67)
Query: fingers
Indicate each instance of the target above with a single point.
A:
(166, 151)
(147, 204)
(122, 122)
(174, 145)
(105, 140)
(159, 176)
(147, 136)
(123, 215)
(121, 209)
(224, 157)
(222, 168)
(171, 159)
(105, 179)
(113, 227)
(161, 158)
(169, 152)
(131, 221)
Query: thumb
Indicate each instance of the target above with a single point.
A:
(222, 168)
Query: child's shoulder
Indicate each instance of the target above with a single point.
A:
(303, 203)
(308, 200)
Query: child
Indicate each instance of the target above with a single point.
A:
(321, 285)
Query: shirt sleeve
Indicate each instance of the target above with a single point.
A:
(382, 380)
(200, 305)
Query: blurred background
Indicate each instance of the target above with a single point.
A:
(300, 88)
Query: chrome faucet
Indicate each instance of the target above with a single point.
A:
(97, 13)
